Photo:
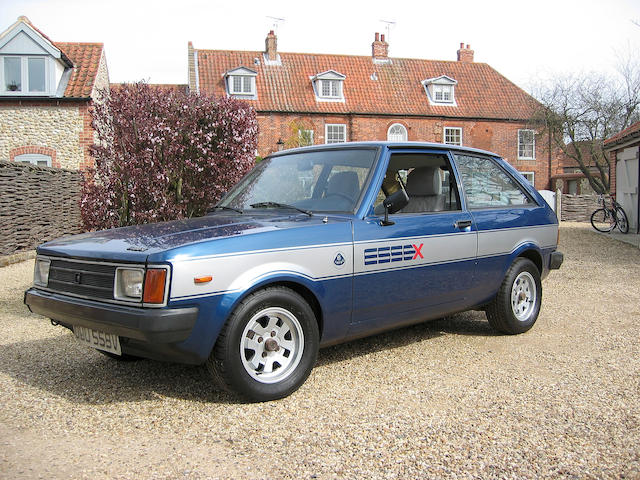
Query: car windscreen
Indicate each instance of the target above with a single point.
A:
(320, 180)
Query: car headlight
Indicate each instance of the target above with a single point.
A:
(138, 284)
(129, 283)
(41, 272)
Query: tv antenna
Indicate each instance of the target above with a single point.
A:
(388, 26)
(276, 21)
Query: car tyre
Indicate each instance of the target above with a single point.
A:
(267, 348)
(516, 306)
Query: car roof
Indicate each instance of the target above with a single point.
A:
(381, 144)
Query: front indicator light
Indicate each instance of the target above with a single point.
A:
(205, 279)
(154, 285)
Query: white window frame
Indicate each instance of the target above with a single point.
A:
(444, 135)
(403, 133)
(331, 126)
(533, 144)
(529, 174)
(245, 80)
(334, 88)
(33, 158)
(443, 93)
(302, 131)
(25, 88)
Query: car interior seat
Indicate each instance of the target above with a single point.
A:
(424, 188)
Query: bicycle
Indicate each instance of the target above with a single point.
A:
(605, 219)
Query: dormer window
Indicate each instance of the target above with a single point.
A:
(328, 86)
(22, 74)
(241, 82)
(440, 90)
(443, 93)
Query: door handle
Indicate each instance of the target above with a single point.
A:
(462, 224)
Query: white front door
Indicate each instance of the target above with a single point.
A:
(627, 184)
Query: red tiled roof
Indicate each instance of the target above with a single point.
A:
(624, 135)
(86, 59)
(481, 91)
(176, 87)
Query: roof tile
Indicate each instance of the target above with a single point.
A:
(622, 136)
(86, 59)
(481, 91)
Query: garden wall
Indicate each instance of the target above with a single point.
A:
(578, 208)
(36, 204)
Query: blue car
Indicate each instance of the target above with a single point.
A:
(314, 247)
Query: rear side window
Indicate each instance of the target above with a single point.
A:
(486, 185)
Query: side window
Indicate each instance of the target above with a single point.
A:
(487, 185)
(426, 178)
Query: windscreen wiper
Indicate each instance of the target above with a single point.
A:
(224, 208)
(280, 205)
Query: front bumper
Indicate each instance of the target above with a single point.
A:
(153, 326)
(556, 260)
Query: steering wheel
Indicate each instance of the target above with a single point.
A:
(341, 195)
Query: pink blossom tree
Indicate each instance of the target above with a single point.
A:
(164, 154)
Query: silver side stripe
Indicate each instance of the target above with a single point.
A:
(238, 271)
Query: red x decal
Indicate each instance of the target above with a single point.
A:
(417, 249)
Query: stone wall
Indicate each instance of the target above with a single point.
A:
(578, 208)
(60, 128)
(102, 78)
(36, 204)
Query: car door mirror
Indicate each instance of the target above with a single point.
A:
(394, 203)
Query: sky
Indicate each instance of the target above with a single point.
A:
(527, 42)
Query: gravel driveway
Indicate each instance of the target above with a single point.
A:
(445, 399)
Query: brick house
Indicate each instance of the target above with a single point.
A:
(46, 91)
(313, 98)
(566, 174)
(623, 149)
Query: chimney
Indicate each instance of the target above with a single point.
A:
(465, 54)
(379, 48)
(271, 46)
(193, 78)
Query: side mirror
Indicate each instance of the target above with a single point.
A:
(394, 203)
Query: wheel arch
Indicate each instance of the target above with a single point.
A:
(294, 283)
(534, 255)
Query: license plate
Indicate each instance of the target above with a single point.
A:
(108, 342)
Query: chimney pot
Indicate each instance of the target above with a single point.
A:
(461, 45)
(467, 46)
(382, 37)
(377, 37)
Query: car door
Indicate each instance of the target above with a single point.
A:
(506, 216)
(423, 264)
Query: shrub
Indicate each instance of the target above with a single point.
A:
(163, 154)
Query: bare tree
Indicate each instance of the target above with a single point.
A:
(580, 111)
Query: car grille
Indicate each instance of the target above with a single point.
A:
(89, 280)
